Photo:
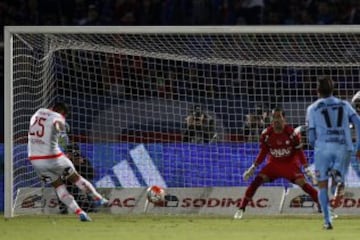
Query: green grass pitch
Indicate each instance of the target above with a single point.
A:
(110, 227)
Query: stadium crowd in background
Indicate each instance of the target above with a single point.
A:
(200, 127)
(179, 12)
(255, 122)
(176, 84)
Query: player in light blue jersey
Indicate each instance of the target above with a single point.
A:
(329, 134)
(355, 164)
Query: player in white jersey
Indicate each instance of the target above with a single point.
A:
(50, 163)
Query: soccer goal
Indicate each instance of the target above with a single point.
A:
(133, 91)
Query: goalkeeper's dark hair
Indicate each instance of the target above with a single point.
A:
(325, 87)
(61, 107)
(278, 109)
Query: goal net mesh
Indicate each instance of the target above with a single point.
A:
(130, 95)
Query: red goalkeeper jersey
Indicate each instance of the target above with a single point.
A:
(283, 147)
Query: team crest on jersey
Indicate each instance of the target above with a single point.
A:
(282, 152)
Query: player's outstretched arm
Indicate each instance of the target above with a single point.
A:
(355, 119)
(259, 159)
(59, 126)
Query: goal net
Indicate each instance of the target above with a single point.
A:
(133, 90)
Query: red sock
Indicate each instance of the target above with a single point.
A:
(78, 211)
(250, 191)
(311, 191)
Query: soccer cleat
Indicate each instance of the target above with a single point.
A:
(333, 215)
(239, 213)
(328, 226)
(339, 194)
(102, 203)
(84, 217)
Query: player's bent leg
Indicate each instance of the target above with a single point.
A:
(249, 193)
(69, 201)
(86, 187)
(64, 196)
(339, 187)
(313, 193)
(355, 164)
(333, 214)
(339, 194)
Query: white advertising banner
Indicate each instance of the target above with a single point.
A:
(201, 201)
(298, 202)
(39, 201)
(36, 201)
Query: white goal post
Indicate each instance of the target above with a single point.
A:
(131, 89)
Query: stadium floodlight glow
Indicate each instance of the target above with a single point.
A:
(135, 85)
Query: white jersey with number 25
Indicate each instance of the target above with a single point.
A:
(43, 136)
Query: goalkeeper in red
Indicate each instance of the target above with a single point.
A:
(51, 164)
(283, 145)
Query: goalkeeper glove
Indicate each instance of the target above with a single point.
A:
(310, 175)
(249, 172)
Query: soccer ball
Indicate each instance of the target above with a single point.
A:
(155, 194)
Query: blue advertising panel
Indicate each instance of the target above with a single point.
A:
(169, 164)
(179, 164)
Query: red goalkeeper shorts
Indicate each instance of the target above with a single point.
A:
(290, 171)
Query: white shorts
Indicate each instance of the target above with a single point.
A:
(50, 170)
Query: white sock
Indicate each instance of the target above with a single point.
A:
(85, 186)
(67, 199)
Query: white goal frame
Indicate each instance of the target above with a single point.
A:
(10, 31)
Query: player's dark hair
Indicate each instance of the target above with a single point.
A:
(325, 87)
(278, 109)
(61, 107)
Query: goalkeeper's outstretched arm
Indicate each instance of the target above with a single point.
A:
(259, 159)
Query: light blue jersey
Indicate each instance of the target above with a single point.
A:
(355, 164)
(330, 118)
(328, 122)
